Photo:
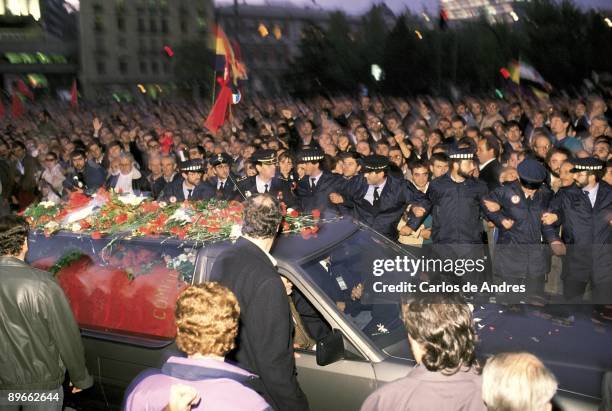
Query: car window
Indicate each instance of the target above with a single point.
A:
(126, 287)
(343, 274)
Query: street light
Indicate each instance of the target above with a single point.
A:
(418, 34)
(608, 22)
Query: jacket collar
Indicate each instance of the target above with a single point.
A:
(12, 261)
(204, 369)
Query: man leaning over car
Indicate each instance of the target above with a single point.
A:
(39, 338)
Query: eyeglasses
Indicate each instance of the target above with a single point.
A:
(49, 159)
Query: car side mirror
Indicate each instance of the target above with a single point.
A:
(330, 348)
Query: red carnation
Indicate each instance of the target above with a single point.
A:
(121, 219)
(286, 226)
(294, 214)
(316, 214)
(96, 235)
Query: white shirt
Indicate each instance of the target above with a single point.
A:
(369, 197)
(124, 183)
(219, 182)
(592, 193)
(316, 179)
(186, 191)
(261, 185)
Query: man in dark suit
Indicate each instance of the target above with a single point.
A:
(27, 169)
(87, 176)
(265, 343)
(169, 175)
(265, 180)
(490, 168)
(378, 199)
(224, 182)
(314, 188)
(190, 187)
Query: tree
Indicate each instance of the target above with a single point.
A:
(193, 68)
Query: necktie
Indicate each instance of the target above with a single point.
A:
(376, 195)
(265, 188)
(221, 184)
(189, 191)
(313, 182)
(586, 193)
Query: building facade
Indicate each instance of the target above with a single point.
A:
(127, 46)
(495, 11)
(38, 45)
(269, 37)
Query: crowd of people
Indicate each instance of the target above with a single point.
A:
(526, 178)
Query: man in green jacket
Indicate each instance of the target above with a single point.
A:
(39, 338)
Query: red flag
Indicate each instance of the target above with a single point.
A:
(25, 90)
(217, 115)
(74, 95)
(1, 110)
(17, 108)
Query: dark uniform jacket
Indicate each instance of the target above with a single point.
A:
(384, 215)
(229, 192)
(280, 189)
(520, 251)
(158, 185)
(175, 190)
(587, 233)
(264, 343)
(490, 174)
(40, 338)
(317, 197)
(456, 210)
(93, 177)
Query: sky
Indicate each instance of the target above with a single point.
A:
(360, 6)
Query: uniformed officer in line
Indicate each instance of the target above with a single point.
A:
(379, 199)
(584, 210)
(223, 183)
(190, 187)
(455, 204)
(520, 210)
(266, 181)
(314, 188)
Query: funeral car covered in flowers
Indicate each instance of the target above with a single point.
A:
(122, 263)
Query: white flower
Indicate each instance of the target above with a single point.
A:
(173, 199)
(182, 257)
(236, 231)
(52, 226)
(162, 204)
(181, 215)
(131, 199)
(290, 210)
(47, 204)
(75, 227)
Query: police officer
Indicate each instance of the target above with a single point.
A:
(190, 187)
(314, 188)
(265, 180)
(455, 205)
(378, 199)
(584, 210)
(223, 183)
(520, 212)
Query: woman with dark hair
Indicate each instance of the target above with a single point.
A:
(447, 374)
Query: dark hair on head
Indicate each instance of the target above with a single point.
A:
(200, 149)
(79, 145)
(492, 143)
(442, 325)
(558, 150)
(512, 123)
(113, 144)
(19, 144)
(467, 142)
(350, 154)
(13, 232)
(286, 155)
(77, 153)
(262, 216)
(506, 155)
(52, 154)
(418, 164)
(457, 118)
(381, 143)
(562, 115)
(441, 157)
(438, 132)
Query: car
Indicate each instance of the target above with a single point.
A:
(123, 290)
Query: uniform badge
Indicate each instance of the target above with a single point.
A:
(247, 194)
(515, 199)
